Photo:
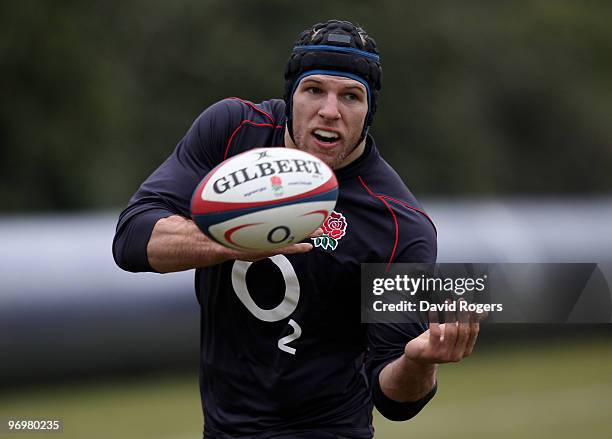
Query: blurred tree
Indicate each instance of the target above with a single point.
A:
(478, 98)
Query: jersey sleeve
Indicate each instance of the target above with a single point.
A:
(386, 342)
(421, 244)
(168, 190)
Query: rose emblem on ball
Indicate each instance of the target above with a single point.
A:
(277, 185)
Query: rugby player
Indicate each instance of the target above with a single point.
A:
(283, 351)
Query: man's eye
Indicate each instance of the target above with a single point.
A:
(351, 97)
(313, 90)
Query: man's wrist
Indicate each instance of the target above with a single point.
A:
(406, 380)
(424, 372)
(420, 368)
(223, 253)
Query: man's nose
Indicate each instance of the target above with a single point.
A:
(329, 107)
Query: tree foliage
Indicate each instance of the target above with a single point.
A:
(478, 98)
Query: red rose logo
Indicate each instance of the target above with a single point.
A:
(276, 180)
(334, 228)
(335, 225)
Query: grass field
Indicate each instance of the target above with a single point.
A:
(552, 391)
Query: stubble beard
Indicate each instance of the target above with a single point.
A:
(332, 161)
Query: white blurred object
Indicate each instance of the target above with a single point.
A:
(66, 308)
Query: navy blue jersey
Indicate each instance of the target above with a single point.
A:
(283, 350)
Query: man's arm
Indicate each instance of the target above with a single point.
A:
(404, 357)
(413, 375)
(154, 232)
(177, 244)
(405, 380)
(167, 191)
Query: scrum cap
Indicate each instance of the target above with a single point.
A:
(336, 48)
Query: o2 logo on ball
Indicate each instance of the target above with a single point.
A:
(280, 234)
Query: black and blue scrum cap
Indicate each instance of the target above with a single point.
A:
(336, 48)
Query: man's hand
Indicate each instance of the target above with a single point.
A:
(301, 247)
(448, 342)
(413, 375)
(177, 244)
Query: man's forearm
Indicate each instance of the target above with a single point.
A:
(177, 244)
(404, 380)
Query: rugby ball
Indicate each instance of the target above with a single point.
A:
(264, 198)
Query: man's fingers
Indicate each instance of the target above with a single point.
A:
(316, 233)
(455, 339)
(481, 316)
(449, 316)
(302, 247)
(449, 337)
(434, 329)
(463, 335)
(474, 330)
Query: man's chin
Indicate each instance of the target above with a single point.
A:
(332, 157)
(330, 160)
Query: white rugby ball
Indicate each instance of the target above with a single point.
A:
(264, 198)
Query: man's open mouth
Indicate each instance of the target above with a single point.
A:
(326, 136)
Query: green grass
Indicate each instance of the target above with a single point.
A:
(154, 408)
(552, 391)
(556, 391)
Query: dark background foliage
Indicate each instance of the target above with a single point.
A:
(479, 98)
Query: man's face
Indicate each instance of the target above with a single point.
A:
(328, 116)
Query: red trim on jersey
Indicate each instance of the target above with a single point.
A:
(396, 231)
(250, 122)
(408, 206)
(254, 107)
(382, 200)
(366, 187)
